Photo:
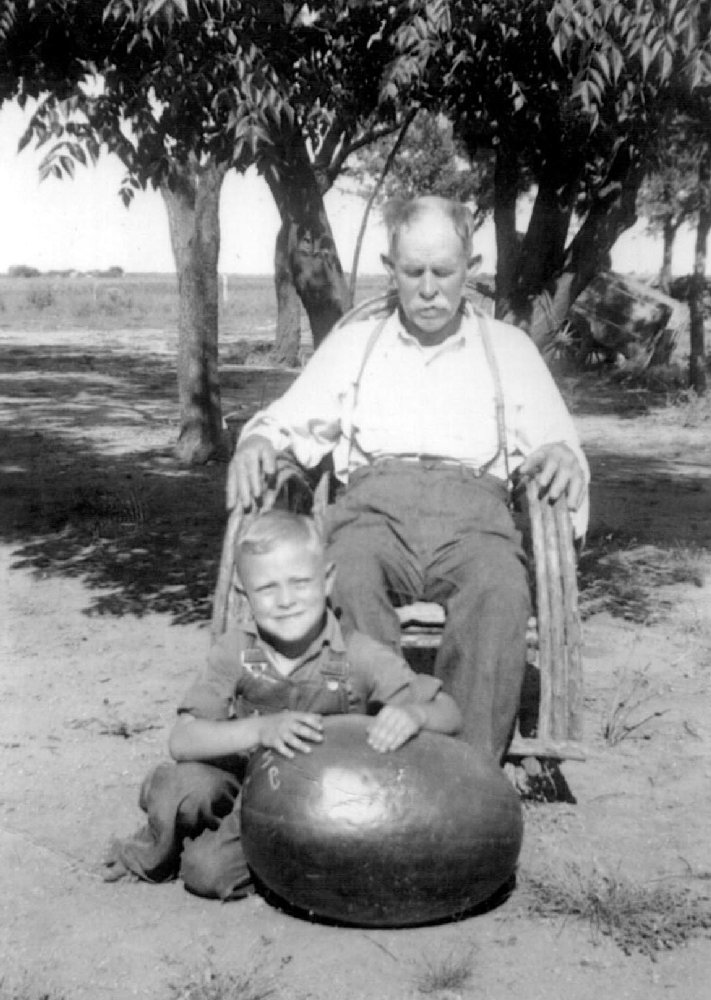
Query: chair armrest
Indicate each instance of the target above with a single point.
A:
(559, 632)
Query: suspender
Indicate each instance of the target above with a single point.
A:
(347, 421)
(498, 396)
(495, 374)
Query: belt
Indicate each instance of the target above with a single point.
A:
(432, 463)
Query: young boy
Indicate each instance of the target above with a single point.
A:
(268, 682)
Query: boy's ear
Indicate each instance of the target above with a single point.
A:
(388, 265)
(329, 577)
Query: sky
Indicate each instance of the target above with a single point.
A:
(82, 224)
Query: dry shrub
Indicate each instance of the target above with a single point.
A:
(40, 297)
(253, 353)
(694, 410)
(625, 715)
(645, 918)
(624, 579)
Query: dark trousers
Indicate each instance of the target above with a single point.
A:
(192, 830)
(405, 531)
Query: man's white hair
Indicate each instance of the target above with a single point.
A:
(399, 213)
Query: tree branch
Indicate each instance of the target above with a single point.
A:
(374, 193)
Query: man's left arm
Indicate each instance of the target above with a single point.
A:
(546, 432)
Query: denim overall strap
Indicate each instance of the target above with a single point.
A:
(324, 693)
(334, 672)
(255, 657)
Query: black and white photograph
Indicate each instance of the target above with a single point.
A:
(355, 500)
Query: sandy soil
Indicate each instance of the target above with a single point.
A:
(108, 556)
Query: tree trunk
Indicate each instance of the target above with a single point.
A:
(389, 160)
(543, 245)
(288, 327)
(308, 242)
(668, 237)
(193, 203)
(612, 212)
(507, 243)
(697, 286)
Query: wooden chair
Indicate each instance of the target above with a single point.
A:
(554, 663)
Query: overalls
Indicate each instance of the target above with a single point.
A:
(411, 528)
(201, 801)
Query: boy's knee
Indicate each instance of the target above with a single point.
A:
(214, 868)
(196, 794)
(199, 868)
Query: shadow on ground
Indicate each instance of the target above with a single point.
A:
(142, 534)
(89, 487)
(649, 529)
(88, 484)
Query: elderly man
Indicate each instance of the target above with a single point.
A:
(428, 413)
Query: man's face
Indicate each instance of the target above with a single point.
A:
(429, 269)
(287, 590)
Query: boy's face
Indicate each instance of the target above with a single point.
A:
(287, 590)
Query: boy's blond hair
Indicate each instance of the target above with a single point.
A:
(272, 528)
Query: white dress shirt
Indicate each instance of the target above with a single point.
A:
(414, 401)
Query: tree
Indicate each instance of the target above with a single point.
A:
(424, 159)
(669, 194)
(331, 75)
(180, 94)
(698, 378)
(124, 100)
(182, 91)
(44, 45)
(566, 94)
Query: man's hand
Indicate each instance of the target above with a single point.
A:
(286, 732)
(557, 470)
(395, 725)
(251, 467)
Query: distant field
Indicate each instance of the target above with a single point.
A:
(138, 301)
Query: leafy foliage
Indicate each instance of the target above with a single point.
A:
(567, 94)
(173, 83)
(430, 161)
(669, 194)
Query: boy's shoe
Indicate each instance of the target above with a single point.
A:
(112, 867)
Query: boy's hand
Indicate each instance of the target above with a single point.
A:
(395, 725)
(286, 732)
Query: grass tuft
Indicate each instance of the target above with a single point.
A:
(212, 984)
(625, 714)
(640, 918)
(445, 975)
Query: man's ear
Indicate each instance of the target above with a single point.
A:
(474, 265)
(388, 265)
(329, 577)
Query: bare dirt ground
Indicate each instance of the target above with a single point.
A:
(108, 555)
